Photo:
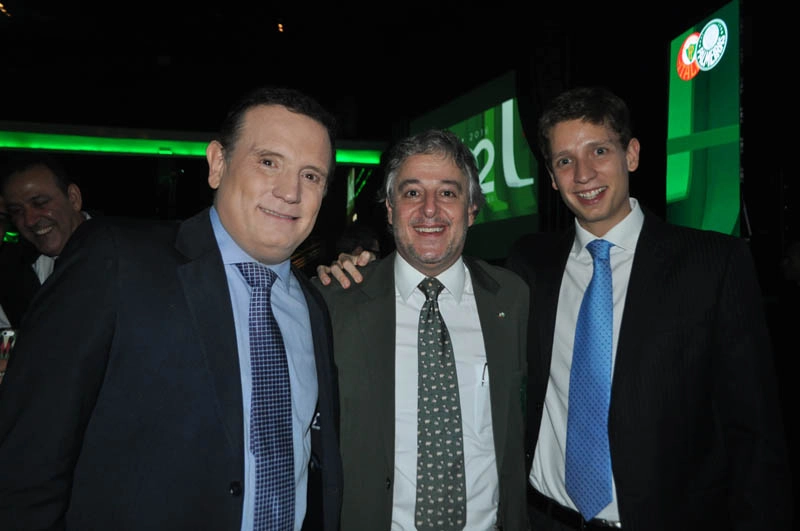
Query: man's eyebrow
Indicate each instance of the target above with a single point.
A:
(451, 182)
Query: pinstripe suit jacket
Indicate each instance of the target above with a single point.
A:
(694, 424)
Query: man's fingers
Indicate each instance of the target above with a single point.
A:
(365, 257)
(340, 275)
(351, 268)
(323, 273)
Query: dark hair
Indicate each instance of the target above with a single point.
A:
(434, 141)
(23, 161)
(292, 99)
(596, 105)
(358, 235)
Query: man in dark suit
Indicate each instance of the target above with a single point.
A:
(432, 195)
(693, 426)
(45, 206)
(126, 404)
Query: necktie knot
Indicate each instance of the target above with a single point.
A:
(257, 275)
(431, 287)
(599, 249)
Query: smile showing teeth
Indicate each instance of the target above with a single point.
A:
(429, 229)
(591, 194)
(42, 232)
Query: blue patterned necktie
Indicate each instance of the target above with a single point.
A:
(441, 485)
(270, 408)
(588, 460)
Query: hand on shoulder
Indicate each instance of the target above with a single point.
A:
(345, 269)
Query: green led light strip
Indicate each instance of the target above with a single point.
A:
(144, 146)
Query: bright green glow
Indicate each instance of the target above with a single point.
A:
(145, 146)
(704, 137)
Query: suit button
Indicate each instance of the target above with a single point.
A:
(235, 488)
(388, 483)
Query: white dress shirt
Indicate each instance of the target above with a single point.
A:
(4, 322)
(460, 313)
(547, 473)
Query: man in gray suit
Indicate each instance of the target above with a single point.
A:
(432, 195)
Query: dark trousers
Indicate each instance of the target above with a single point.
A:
(542, 522)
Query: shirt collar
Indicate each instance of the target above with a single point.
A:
(407, 278)
(623, 235)
(232, 253)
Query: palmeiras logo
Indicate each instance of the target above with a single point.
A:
(703, 50)
(712, 43)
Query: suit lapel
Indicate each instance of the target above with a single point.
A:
(489, 308)
(205, 287)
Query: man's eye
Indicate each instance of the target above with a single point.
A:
(267, 162)
(313, 177)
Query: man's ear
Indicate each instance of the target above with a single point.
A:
(632, 154)
(553, 181)
(215, 155)
(74, 196)
(388, 211)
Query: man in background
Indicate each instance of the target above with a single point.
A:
(5, 224)
(142, 382)
(45, 206)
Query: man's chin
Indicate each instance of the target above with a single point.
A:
(49, 247)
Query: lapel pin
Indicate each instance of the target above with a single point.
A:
(501, 315)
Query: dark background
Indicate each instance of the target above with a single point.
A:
(176, 65)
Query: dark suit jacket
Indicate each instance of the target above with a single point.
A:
(122, 405)
(694, 422)
(18, 281)
(364, 344)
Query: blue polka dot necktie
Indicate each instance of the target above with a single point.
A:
(588, 459)
(441, 503)
(270, 408)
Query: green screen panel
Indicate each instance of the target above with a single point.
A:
(504, 160)
(487, 120)
(703, 124)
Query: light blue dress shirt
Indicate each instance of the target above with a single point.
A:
(291, 312)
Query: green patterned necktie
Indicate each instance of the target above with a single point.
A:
(441, 487)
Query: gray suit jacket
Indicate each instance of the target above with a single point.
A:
(363, 319)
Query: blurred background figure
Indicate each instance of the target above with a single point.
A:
(45, 205)
(784, 320)
(359, 237)
(5, 223)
